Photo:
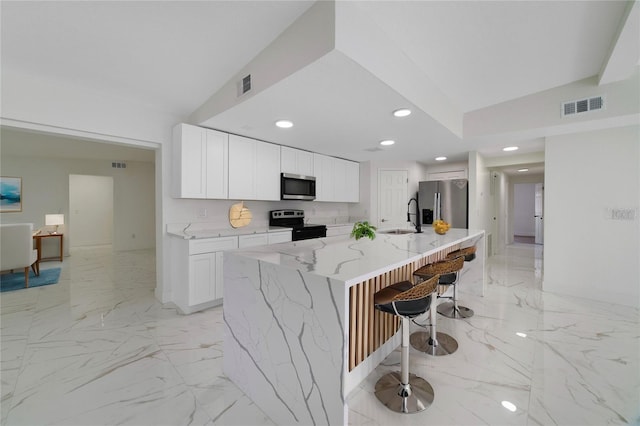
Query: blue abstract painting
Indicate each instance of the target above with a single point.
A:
(10, 194)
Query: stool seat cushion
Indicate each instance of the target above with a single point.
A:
(383, 299)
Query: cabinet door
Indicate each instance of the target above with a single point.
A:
(267, 171)
(288, 161)
(323, 169)
(242, 164)
(219, 279)
(352, 183)
(189, 162)
(340, 180)
(254, 169)
(202, 278)
(217, 163)
(304, 161)
(296, 161)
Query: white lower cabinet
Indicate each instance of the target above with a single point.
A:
(196, 272)
(196, 267)
(202, 272)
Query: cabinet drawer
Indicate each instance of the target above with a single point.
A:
(252, 240)
(209, 245)
(279, 237)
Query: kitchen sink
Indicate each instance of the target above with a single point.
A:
(397, 231)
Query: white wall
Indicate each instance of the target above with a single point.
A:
(45, 183)
(524, 209)
(481, 201)
(586, 254)
(90, 210)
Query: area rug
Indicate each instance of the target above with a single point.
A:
(15, 281)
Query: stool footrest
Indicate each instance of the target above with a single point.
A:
(449, 310)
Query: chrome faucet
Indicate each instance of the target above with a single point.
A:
(417, 213)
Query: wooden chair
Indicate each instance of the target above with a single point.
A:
(16, 249)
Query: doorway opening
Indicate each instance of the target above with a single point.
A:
(528, 201)
(392, 198)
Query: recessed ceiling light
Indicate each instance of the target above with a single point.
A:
(523, 170)
(441, 158)
(509, 406)
(284, 124)
(403, 112)
(387, 142)
(520, 334)
(510, 148)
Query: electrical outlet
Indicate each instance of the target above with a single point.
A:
(202, 213)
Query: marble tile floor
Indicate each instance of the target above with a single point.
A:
(99, 349)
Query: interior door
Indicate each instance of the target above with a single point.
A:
(539, 213)
(392, 198)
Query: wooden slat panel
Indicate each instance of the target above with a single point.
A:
(369, 328)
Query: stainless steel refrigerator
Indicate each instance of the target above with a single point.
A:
(445, 199)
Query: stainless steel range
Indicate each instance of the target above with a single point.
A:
(295, 219)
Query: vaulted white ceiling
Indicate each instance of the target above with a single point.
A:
(176, 55)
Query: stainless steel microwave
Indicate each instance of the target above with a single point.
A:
(297, 187)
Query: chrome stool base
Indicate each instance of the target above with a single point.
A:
(449, 310)
(421, 340)
(415, 397)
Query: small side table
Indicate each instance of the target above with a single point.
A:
(39, 238)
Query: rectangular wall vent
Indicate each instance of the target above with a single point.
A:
(246, 84)
(582, 105)
(118, 165)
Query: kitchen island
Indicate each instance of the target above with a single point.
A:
(300, 328)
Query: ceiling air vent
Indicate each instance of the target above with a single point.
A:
(245, 85)
(582, 105)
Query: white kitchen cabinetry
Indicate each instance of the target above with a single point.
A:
(336, 179)
(296, 161)
(199, 162)
(254, 169)
(453, 174)
(279, 237)
(252, 240)
(323, 169)
(196, 271)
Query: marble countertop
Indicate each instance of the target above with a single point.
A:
(222, 232)
(352, 261)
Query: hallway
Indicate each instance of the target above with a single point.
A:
(98, 349)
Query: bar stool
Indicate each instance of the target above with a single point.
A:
(452, 309)
(401, 391)
(436, 343)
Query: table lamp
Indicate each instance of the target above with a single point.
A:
(54, 219)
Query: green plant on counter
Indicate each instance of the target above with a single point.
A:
(363, 229)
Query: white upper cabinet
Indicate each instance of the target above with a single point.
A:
(199, 162)
(337, 180)
(352, 182)
(254, 169)
(323, 168)
(296, 161)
